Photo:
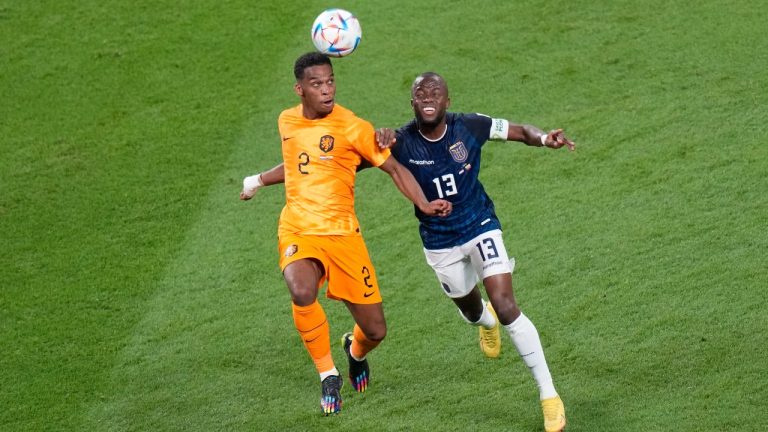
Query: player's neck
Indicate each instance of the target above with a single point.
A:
(433, 133)
(311, 114)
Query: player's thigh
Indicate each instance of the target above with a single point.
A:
(488, 254)
(453, 269)
(303, 263)
(351, 275)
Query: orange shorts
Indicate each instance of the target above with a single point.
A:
(345, 259)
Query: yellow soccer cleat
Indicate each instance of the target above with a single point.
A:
(554, 414)
(490, 341)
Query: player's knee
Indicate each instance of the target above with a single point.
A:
(303, 277)
(376, 334)
(507, 312)
(303, 296)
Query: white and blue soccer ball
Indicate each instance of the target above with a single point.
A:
(336, 32)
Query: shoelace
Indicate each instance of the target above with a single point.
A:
(331, 382)
(551, 411)
(488, 338)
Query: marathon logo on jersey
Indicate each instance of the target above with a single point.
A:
(491, 264)
(291, 250)
(458, 152)
(326, 143)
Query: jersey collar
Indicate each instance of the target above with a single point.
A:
(437, 139)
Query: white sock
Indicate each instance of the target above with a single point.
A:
(525, 337)
(486, 318)
(326, 374)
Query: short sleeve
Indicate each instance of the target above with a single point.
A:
(479, 125)
(363, 138)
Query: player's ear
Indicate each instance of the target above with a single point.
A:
(448, 103)
(297, 88)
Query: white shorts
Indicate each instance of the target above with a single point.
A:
(460, 268)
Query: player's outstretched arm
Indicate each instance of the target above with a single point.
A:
(407, 184)
(252, 183)
(533, 136)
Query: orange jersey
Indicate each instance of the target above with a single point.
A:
(321, 159)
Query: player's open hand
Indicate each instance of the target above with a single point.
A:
(385, 138)
(438, 207)
(557, 139)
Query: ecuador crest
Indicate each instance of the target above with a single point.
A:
(458, 151)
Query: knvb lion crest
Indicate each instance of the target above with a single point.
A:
(458, 152)
(326, 143)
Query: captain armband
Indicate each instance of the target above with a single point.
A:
(499, 130)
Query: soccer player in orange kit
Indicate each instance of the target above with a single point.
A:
(319, 235)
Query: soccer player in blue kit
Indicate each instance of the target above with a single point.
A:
(442, 150)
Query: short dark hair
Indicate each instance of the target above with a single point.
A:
(308, 60)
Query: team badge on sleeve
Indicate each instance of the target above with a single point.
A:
(326, 143)
(458, 152)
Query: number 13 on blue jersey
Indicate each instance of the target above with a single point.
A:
(445, 183)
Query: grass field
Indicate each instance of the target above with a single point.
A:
(139, 294)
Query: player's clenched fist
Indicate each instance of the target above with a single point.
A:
(438, 207)
(250, 185)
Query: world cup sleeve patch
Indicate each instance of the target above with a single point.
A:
(291, 250)
(326, 143)
(458, 151)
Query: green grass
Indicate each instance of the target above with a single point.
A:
(139, 294)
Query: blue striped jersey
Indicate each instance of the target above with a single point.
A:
(448, 168)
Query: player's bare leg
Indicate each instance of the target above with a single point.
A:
(471, 305)
(525, 337)
(302, 278)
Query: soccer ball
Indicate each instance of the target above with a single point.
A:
(336, 32)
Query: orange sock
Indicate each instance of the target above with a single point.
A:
(361, 345)
(314, 330)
